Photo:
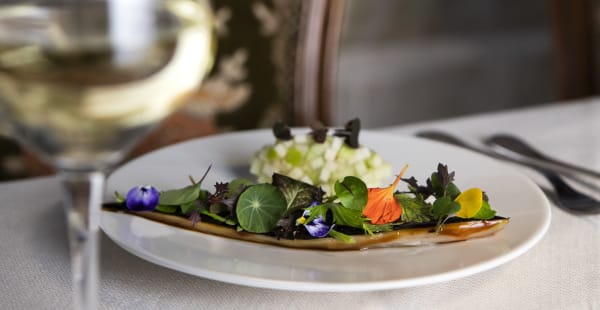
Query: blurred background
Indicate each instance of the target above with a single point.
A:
(387, 62)
(420, 60)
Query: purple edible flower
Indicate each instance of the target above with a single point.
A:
(318, 227)
(142, 198)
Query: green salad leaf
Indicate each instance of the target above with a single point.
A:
(316, 211)
(177, 197)
(297, 193)
(414, 209)
(236, 186)
(346, 216)
(352, 193)
(443, 207)
(167, 208)
(372, 228)
(341, 236)
(189, 207)
(485, 213)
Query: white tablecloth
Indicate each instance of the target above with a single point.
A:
(560, 272)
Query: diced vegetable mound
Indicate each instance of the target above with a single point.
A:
(320, 164)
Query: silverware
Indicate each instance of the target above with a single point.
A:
(513, 146)
(566, 196)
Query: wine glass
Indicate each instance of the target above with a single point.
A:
(82, 81)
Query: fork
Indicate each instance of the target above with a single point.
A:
(514, 146)
(566, 196)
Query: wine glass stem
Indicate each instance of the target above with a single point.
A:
(83, 191)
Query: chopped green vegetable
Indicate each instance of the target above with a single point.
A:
(319, 158)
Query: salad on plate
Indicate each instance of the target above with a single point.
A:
(321, 190)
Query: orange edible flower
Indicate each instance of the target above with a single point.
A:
(381, 206)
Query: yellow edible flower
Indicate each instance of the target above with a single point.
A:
(470, 202)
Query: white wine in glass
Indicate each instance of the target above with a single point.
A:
(82, 81)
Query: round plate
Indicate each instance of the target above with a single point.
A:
(511, 193)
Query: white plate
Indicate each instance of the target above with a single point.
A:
(511, 194)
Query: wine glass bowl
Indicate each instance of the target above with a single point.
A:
(82, 85)
(82, 81)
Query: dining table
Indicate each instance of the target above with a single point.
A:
(560, 271)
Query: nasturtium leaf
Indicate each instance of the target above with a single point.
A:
(485, 213)
(352, 193)
(443, 207)
(297, 194)
(180, 196)
(415, 210)
(347, 217)
(259, 208)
